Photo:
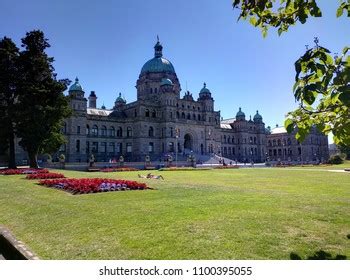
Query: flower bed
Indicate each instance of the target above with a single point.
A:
(23, 171)
(45, 176)
(226, 166)
(87, 185)
(184, 169)
(119, 169)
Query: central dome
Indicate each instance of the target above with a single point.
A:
(158, 63)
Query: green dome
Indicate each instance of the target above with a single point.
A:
(240, 114)
(120, 99)
(166, 82)
(76, 86)
(257, 117)
(204, 89)
(158, 63)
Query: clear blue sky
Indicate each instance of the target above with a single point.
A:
(105, 43)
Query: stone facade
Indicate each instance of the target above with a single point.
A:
(283, 147)
(161, 122)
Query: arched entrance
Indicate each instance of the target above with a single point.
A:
(188, 143)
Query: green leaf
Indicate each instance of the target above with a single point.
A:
(289, 125)
(340, 11)
(252, 21)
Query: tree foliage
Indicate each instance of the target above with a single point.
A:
(42, 105)
(281, 14)
(322, 83)
(8, 76)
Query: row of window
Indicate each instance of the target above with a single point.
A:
(228, 140)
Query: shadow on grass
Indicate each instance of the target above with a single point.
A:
(319, 255)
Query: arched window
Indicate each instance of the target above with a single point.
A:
(150, 131)
(177, 115)
(104, 131)
(94, 130)
(188, 116)
(111, 131)
(155, 90)
(224, 138)
(147, 113)
(154, 114)
(129, 132)
(120, 132)
(183, 115)
(87, 129)
(77, 146)
(279, 142)
(199, 117)
(194, 116)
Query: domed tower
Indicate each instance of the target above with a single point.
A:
(205, 97)
(119, 102)
(258, 118)
(240, 116)
(153, 74)
(76, 93)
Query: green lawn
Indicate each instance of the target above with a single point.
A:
(213, 214)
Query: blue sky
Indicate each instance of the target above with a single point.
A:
(105, 43)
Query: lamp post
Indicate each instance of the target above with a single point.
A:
(176, 143)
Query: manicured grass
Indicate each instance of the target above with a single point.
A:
(214, 214)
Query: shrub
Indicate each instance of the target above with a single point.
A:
(336, 159)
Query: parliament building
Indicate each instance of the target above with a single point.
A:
(161, 122)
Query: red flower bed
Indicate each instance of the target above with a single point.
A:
(45, 176)
(87, 185)
(119, 169)
(23, 171)
(226, 166)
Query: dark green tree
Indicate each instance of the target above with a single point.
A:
(41, 105)
(8, 77)
(322, 86)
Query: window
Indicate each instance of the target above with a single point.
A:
(94, 147)
(87, 147)
(183, 115)
(129, 147)
(64, 128)
(199, 117)
(87, 129)
(154, 114)
(119, 148)
(77, 146)
(103, 147)
(150, 131)
(104, 131)
(150, 147)
(94, 130)
(177, 115)
(111, 148)
(111, 131)
(129, 132)
(171, 132)
(78, 129)
(194, 116)
(147, 113)
(155, 90)
(120, 132)
(188, 116)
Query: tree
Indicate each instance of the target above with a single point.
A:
(8, 76)
(322, 85)
(41, 105)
